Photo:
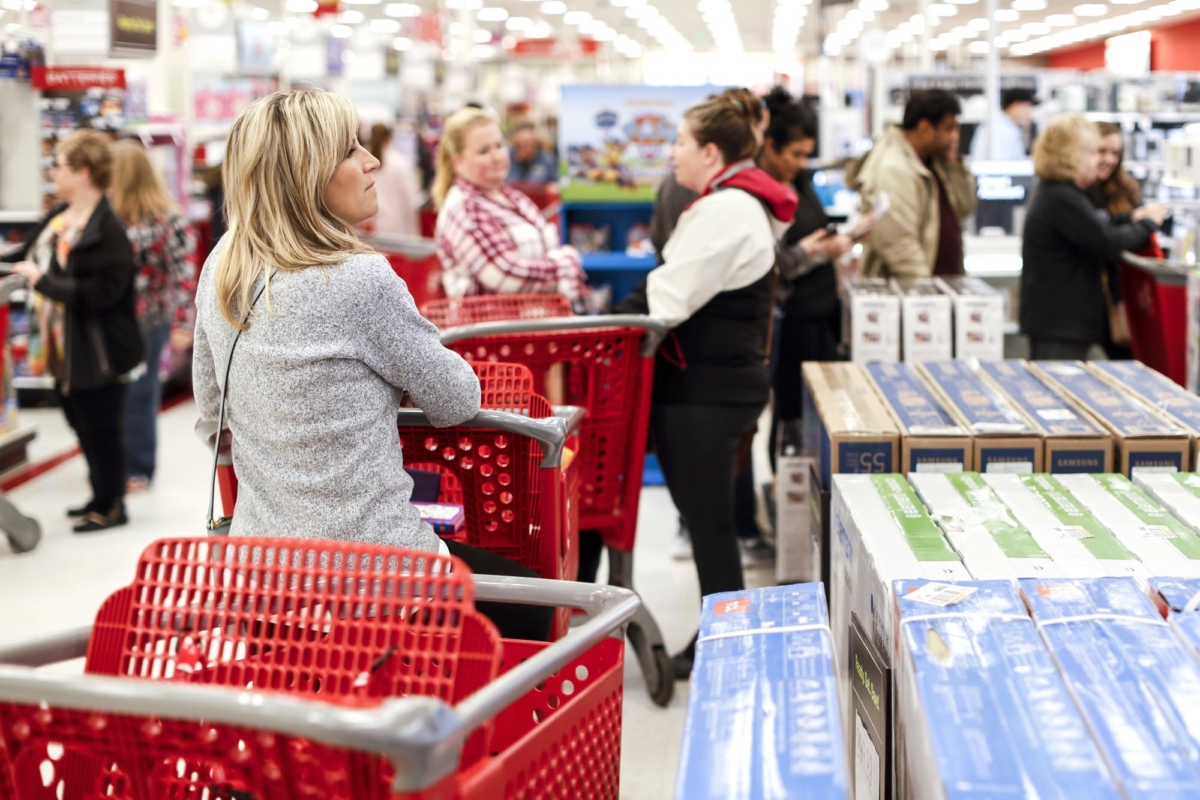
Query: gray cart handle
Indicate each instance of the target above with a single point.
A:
(656, 330)
(407, 246)
(10, 285)
(421, 736)
(551, 432)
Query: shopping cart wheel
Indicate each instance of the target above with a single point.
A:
(25, 535)
(657, 667)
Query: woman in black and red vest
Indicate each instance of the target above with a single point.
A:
(715, 289)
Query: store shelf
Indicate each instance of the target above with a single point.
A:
(43, 382)
(19, 217)
(617, 262)
(1136, 116)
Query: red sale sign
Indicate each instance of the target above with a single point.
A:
(74, 79)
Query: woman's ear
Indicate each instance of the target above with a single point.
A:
(456, 161)
(712, 154)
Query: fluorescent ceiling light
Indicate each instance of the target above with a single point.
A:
(340, 31)
(1091, 10)
(979, 24)
(942, 10)
(402, 10)
(492, 14)
(351, 17)
(400, 43)
(1007, 15)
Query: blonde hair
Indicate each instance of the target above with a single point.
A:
(454, 140)
(282, 151)
(90, 150)
(138, 192)
(1062, 147)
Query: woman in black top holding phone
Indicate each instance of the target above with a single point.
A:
(811, 324)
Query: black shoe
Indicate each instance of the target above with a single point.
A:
(101, 522)
(80, 511)
(683, 666)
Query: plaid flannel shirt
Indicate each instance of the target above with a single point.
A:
(491, 247)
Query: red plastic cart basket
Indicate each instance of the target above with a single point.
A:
(609, 372)
(415, 259)
(23, 532)
(453, 312)
(1155, 292)
(519, 492)
(284, 669)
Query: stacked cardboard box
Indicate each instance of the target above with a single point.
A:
(1169, 398)
(985, 712)
(798, 545)
(1179, 601)
(925, 320)
(871, 319)
(1074, 442)
(979, 317)
(881, 533)
(1143, 438)
(932, 440)
(763, 718)
(1163, 544)
(846, 426)
(1080, 545)
(1005, 440)
(1135, 681)
(992, 543)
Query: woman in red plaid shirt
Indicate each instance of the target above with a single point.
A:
(491, 238)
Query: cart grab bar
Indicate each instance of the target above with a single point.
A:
(551, 432)
(656, 330)
(1156, 263)
(56, 647)
(421, 736)
(572, 415)
(10, 285)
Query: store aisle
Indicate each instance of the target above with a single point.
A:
(63, 582)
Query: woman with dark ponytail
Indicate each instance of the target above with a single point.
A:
(715, 290)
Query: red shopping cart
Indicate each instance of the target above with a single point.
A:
(511, 468)
(608, 371)
(23, 532)
(1156, 304)
(519, 492)
(453, 312)
(415, 259)
(284, 668)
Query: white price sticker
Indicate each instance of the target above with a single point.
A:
(866, 764)
(941, 594)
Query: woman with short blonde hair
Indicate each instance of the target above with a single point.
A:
(1068, 252)
(164, 251)
(327, 340)
(491, 238)
(79, 264)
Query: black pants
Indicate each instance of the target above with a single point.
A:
(697, 447)
(1057, 350)
(513, 620)
(800, 340)
(97, 417)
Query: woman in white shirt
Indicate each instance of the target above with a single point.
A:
(396, 187)
(715, 289)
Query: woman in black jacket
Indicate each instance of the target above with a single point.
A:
(808, 289)
(1068, 249)
(79, 262)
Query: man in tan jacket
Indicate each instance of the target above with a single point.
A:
(929, 187)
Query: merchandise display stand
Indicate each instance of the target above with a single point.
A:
(614, 267)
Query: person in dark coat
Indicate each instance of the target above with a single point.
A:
(1068, 251)
(80, 265)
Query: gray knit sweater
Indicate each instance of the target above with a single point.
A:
(313, 392)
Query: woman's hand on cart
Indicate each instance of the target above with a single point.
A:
(27, 270)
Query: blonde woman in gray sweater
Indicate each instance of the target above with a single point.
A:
(330, 339)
